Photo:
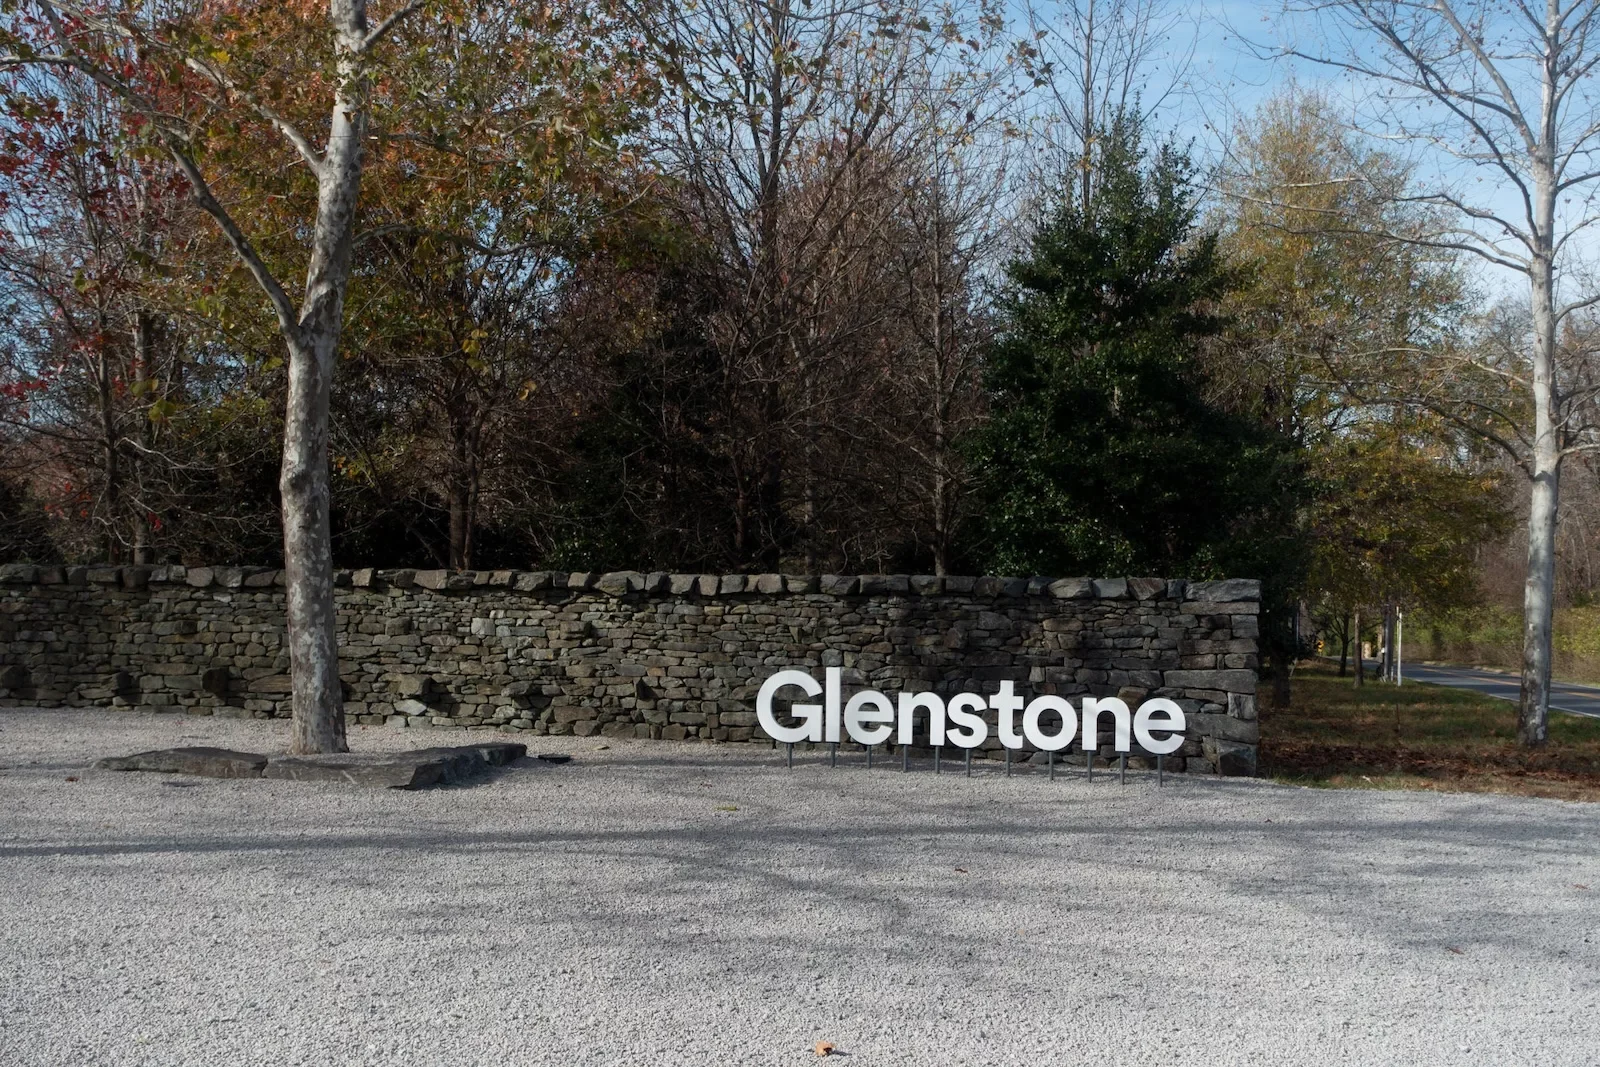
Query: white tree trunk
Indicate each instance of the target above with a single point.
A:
(1539, 592)
(304, 479)
(308, 551)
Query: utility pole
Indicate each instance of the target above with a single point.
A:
(1399, 642)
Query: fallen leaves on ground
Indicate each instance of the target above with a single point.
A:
(1420, 737)
(1559, 775)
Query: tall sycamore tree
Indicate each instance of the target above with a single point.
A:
(180, 61)
(261, 105)
(1501, 100)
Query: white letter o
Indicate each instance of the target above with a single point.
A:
(1037, 737)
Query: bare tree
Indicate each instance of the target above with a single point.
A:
(89, 357)
(940, 271)
(1093, 60)
(788, 127)
(955, 212)
(1501, 99)
(120, 408)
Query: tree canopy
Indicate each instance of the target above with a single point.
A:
(1105, 452)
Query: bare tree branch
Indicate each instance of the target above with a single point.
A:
(381, 30)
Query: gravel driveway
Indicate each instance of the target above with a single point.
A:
(658, 903)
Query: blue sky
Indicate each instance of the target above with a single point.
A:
(1228, 79)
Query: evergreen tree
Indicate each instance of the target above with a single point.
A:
(1104, 454)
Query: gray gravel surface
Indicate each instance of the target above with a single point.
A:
(657, 903)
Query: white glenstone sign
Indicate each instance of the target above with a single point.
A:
(870, 717)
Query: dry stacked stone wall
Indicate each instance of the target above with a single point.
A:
(673, 656)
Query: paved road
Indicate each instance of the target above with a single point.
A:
(1564, 696)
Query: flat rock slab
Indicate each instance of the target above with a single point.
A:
(411, 770)
(207, 762)
(415, 769)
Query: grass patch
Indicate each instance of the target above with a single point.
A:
(1420, 737)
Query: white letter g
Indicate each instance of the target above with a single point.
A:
(810, 728)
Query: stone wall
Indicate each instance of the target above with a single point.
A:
(660, 655)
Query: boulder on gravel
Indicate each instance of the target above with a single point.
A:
(203, 761)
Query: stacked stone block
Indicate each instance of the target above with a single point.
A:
(676, 656)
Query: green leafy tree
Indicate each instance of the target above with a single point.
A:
(1335, 306)
(1398, 523)
(1104, 454)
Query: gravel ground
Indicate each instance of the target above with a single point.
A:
(659, 903)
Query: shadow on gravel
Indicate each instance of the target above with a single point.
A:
(1517, 834)
(905, 861)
